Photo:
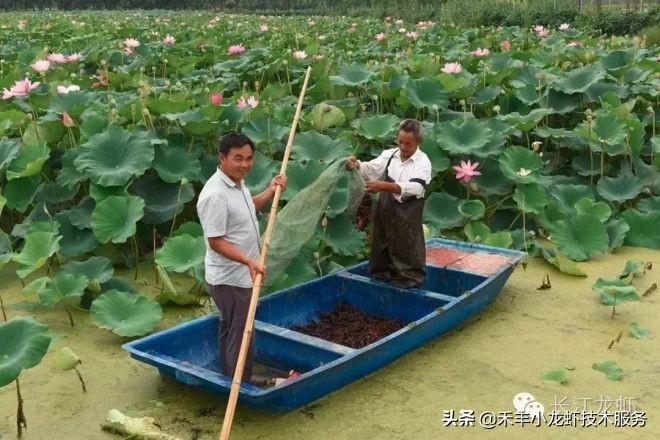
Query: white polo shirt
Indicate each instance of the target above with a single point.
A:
(418, 166)
(226, 210)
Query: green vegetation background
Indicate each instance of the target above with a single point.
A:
(617, 17)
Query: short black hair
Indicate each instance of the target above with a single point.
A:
(233, 140)
(412, 126)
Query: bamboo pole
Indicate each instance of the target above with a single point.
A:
(256, 288)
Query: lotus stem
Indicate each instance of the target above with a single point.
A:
(288, 79)
(602, 161)
(21, 421)
(591, 154)
(68, 312)
(154, 242)
(527, 136)
(524, 223)
(136, 256)
(2, 306)
(82, 381)
(176, 209)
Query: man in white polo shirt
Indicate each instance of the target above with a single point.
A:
(227, 212)
(400, 176)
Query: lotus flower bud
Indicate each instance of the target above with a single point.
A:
(103, 62)
(650, 110)
(317, 255)
(145, 111)
(216, 99)
(536, 145)
(184, 181)
(324, 222)
(67, 120)
(94, 286)
(28, 116)
(462, 102)
(496, 108)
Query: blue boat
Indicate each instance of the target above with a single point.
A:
(462, 279)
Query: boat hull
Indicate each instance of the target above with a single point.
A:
(188, 352)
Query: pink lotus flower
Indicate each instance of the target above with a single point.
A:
(319, 57)
(564, 26)
(263, 28)
(57, 58)
(236, 49)
(541, 31)
(67, 89)
(466, 171)
(74, 57)
(252, 101)
(40, 65)
(412, 34)
(249, 102)
(169, 40)
(20, 88)
(131, 43)
(380, 37)
(216, 98)
(299, 55)
(505, 45)
(574, 43)
(452, 68)
(67, 120)
(481, 53)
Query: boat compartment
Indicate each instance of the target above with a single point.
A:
(442, 280)
(304, 304)
(195, 346)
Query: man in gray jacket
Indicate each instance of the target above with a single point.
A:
(227, 212)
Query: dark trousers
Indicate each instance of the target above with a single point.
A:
(398, 251)
(233, 303)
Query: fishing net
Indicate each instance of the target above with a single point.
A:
(298, 220)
